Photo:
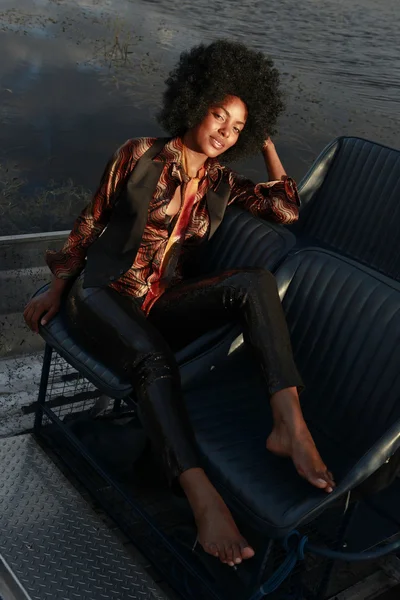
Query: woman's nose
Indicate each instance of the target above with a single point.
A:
(224, 132)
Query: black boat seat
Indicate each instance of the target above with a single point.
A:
(344, 321)
(242, 240)
(350, 203)
(56, 335)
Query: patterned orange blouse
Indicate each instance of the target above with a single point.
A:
(276, 201)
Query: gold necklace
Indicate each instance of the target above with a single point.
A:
(184, 164)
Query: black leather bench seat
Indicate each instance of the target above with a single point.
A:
(350, 203)
(345, 325)
(245, 241)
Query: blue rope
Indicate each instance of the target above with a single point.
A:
(296, 553)
(293, 555)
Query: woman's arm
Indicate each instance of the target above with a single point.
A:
(277, 200)
(272, 161)
(70, 260)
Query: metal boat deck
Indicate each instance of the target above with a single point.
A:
(55, 545)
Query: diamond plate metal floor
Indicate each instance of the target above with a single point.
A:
(56, 546)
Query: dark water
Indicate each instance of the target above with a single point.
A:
(77, 78)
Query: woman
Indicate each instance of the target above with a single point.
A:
(130, 304)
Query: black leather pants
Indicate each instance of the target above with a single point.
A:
(114, 328)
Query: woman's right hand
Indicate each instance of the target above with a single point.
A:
(42, 308)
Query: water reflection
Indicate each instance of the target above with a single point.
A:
(76, 81)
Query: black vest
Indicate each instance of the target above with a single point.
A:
(114, 252)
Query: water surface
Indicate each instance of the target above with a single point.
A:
(77, 78)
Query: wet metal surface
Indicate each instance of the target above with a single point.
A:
(79, 77)
(54, 543)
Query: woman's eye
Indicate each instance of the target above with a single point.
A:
(236, 130)
(219, 117)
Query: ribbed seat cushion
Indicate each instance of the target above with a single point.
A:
(351, 203)
(241, 240)
(345, 325)
(245, 241)
(344, 321)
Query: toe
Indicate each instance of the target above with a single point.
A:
(331, 479)
(327, 476)
(237, 554)
(323, 481)
(318, 481)
(222, 553)
(246, 551)
(229, 553)
(211, 549)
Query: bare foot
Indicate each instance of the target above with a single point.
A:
(219, 536)
(217, 531)
(300, 447)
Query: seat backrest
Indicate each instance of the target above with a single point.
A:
(351, 203)
(344, 321)
(242, 241)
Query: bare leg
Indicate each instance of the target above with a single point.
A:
(217, 531)
(291, 437)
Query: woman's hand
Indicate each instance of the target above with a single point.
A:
(268, 143)
(43, 308)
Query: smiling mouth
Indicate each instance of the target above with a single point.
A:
(216, 143)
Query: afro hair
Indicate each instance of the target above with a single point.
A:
(205, 75)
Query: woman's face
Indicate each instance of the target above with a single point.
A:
(220, 129)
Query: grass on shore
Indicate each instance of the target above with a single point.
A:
(51, 208)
